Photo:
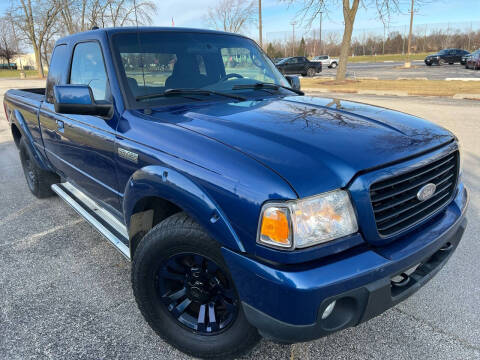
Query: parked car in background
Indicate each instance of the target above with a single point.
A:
(465, 58)
(299, 65)
(446, 56)
(473, 62)
(326, 61)
(11, 66)
(277, 60)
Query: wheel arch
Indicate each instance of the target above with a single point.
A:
(153, 193)
(20, 130)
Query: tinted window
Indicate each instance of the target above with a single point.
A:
(88, 68)
(58, 66)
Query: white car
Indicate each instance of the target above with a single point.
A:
(326, 61)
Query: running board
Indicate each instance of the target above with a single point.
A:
(101, 219)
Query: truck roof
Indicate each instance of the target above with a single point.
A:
(101, 32)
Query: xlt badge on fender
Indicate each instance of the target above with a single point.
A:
(128, 155)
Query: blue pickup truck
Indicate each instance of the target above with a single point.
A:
(247, 208)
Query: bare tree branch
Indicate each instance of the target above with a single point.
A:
(231, 15)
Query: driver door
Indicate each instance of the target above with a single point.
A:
(84, 150)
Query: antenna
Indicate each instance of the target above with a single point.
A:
(138, 40)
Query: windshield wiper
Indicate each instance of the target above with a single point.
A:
(174, 92)
(263, 85)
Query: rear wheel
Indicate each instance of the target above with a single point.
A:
(38, 180)
(311, 72)
(185, 292)
(333, 65)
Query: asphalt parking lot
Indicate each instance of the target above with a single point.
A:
(65, 293)
(392, 71)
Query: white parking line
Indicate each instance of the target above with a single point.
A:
(32, 238)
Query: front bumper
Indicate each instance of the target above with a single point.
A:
(286, 303)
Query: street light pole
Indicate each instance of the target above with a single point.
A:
(293, 23)
(408, 63)
(320, 49)
(260, 23)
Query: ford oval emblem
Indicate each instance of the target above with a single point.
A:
(426, 192)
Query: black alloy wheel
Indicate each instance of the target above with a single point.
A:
(197, 293)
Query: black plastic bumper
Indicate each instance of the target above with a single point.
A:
(361, 304)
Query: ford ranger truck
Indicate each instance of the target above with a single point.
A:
(247, 208)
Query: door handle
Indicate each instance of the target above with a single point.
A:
(60, 126)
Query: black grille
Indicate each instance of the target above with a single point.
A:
(394, 200)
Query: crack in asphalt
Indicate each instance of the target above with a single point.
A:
(437, 329)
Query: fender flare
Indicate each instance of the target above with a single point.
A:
(171, 185)
(19, 121)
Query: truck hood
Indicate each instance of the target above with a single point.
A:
(315, 144)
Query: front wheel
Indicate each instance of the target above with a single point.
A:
(333, 65)
(184, 291)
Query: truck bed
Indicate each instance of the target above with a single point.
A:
(37, 94)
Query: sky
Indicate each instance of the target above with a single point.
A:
(277, 15)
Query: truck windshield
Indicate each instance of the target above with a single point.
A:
(153, 62)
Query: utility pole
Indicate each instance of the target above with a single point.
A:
(408, 63)
(260, 23)
(320, 49)
(293, 23)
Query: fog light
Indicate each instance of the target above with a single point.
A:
(328, 310)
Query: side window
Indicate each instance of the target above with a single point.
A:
(58, 66)
(88, 68)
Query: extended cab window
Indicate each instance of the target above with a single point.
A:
(58, 67)
(88, 68)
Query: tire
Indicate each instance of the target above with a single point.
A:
(429, 64)
(311, 72)
(38, 180)
(450, 63)
(333, 65)
(165, 262)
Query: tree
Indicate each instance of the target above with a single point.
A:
(82, 15)
(8, 41)
(231, 15)
(302, 48)
(311, 9)
(35, 19)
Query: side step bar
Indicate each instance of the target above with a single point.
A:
(104, 222)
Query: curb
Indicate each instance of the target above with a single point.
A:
(467, 96)
(412, 78)
(462, 79)
(310, 91)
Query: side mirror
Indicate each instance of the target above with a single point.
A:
(294, 81)
(78, 99)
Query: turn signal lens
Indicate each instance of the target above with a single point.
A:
(275, 228)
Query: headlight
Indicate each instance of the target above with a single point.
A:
(306, 222)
